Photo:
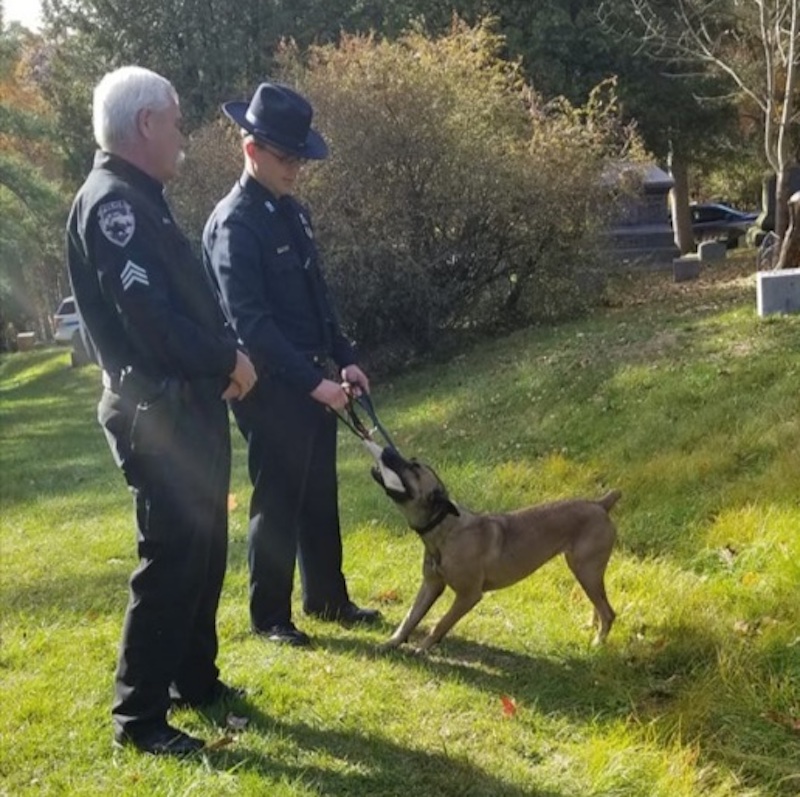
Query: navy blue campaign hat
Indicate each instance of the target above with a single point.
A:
(278, 115)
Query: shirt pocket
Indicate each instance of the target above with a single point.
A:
(286, 279)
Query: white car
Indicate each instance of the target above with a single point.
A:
(66, 323)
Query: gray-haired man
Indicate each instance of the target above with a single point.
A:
(152, 323)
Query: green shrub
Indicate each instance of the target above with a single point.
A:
(454, 198)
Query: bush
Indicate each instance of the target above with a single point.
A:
(454, 198)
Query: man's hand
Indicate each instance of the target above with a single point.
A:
(243, 377)
(331, 394)
(356, 378)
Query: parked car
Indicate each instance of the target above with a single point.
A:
(67, 329)
(66, 322)
(713, 221)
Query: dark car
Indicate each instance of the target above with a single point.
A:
(714, 221)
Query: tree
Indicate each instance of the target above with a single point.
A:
(455, 198)
(32, 204)
(754, 45)
(567, 47)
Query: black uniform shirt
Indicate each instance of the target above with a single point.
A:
(262, 254)
(143, 296)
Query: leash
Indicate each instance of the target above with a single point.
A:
(357, 426)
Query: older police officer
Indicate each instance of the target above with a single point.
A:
(259, 245)
(152, 323)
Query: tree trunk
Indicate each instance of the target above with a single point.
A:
(679, 204)
(782, 186)
(790, 247)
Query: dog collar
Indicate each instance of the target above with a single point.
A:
(443, 512)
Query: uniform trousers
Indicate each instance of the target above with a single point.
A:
(294, 514)
(180, 485)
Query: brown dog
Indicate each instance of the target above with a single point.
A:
(473, 553)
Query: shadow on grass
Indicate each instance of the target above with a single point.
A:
(377, 766)
(68, 596)
(647, 683)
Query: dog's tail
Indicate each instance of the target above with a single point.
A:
(609, 499)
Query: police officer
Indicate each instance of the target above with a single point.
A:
(259, 245)
(152, 323)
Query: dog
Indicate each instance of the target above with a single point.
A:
(473, 553)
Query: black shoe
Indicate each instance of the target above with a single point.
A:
(224, 693)
(220, 692)
(162, 740)
(349, 614)
(284, 634)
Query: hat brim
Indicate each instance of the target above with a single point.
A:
(314, 147)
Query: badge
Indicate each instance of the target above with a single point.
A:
(306, 226)
(117, 221)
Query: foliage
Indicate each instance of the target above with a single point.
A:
(678, 395)
(454, 198)
(754, 48)
(32, 202)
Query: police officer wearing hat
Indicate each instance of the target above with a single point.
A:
(259, 245)
(152, 322)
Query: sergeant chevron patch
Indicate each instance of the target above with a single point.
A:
(132, 274)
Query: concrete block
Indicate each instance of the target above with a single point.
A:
(685, 268)
(778, 291)
(711, 251)
(25, 341)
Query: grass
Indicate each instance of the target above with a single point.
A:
(677, 394)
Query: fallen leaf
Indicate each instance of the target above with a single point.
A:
(509, 705)
(232, 502)
(218, 744)
(236, 723)
(388, 596)
(792, 723)
(745, 628)
(727, 554)
(750, 578)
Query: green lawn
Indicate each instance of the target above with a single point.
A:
(677, 394)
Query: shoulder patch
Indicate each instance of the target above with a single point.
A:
(117, 221)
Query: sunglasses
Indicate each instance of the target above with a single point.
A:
(286, 158)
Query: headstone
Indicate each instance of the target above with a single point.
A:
(686, 268)
(25, 341)
(778, 291)
(642, 233)
(711, 251)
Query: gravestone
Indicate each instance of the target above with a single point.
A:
(778, 291)
(712, 251)
(641, 233)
